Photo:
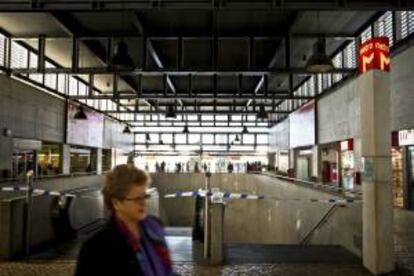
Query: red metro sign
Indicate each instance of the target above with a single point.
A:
(374, 54)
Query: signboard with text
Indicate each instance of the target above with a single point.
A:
(374, 54)
(406, 137)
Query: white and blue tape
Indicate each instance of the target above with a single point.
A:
(228, 195)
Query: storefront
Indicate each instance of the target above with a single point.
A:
(50, 159)
(330, 163)
(403, 169)
(303, 164)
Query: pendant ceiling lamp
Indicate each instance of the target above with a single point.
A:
(262, 114)
(127, 130)
(121, 60)
(170, 113)
(80, 114)
(319, 62)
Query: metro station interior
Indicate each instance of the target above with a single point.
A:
(278, 134)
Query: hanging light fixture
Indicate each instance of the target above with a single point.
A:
(127, 130)
(147, 137)
(161, 142)
(121, 59)
(237, 139)
(170, 112)
(80, 114)
(185, 130)
(262, 114)
(319, 62)
(245, 131)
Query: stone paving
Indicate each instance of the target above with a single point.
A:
(404, 250)
(63, 268)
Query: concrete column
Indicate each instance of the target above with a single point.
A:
(216, 233)
(6, 154)
(271, 156)
(377, 211)
(65, 159)
(315, 162)
(99, 161)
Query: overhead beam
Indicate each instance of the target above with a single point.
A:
(191, 112)
(150, 48)
(136, 5)
(198, 96)
(195, 37)
(174, 72)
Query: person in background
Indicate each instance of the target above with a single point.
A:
(132, 243)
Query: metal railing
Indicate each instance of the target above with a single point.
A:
(328, 188)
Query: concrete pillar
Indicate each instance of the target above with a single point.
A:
(6, 154)
(65, 159)
(315, 163)
(99, 161)
(377, 211)
(271, 156)
(216, 233)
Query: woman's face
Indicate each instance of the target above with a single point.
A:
(133, 206)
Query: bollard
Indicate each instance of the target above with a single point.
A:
(206, 218)
(28, 213)
(216, 233)
(198, 233)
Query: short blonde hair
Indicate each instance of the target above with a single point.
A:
(120, 180)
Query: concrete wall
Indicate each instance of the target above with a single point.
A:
(114, 138)
(30, 113)
(338, 114)
(264, 221)
(402, 90)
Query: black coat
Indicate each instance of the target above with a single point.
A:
(107, 253)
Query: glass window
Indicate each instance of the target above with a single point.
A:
(19, 56)
(248, 138)
(208, 138)
(366, 35)
(407, 23)
(350, 55)
(194, 138)
(180, 138)
(262, 139)
(2, 48)
(384, 26)
(221, 139)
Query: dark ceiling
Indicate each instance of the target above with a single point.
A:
(204, 57)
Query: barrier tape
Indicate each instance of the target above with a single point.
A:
(56, 193)
(228, 195)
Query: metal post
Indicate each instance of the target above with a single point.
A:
(28, 213)
(206, 217)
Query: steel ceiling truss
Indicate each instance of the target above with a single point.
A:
(119, 5)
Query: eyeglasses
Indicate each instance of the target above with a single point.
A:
(138, 199)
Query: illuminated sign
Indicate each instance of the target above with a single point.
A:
(374, 54)
(406, 137)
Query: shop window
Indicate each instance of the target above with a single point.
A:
(106, 159)
(49, 162)
(82, 160)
